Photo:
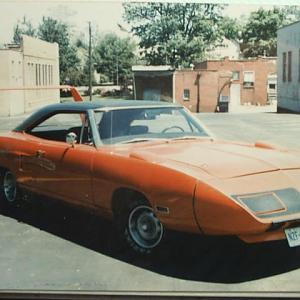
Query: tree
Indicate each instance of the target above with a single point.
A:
(259, 34)
(231, 28)
(174, 33)
(114, 57)
(23, 27)
(292, 13)
(55, 31)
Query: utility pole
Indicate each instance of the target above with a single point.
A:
(198, 92)
(166, 56)
(117, 69)
(90, 61)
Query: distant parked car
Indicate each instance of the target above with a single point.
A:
(152, 166)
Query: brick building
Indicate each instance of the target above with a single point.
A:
(250, 80)
(213, 85)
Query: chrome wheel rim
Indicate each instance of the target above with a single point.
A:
(9, 187)
(144, 227)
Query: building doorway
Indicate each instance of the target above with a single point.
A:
(235, 97)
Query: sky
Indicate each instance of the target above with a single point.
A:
(104, 15)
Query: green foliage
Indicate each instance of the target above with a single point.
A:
(292, 13)
(55, 31)
(260, 32)
(83, 74)
(174, 33)
(231, 28)
(114, 56)
(23, 27)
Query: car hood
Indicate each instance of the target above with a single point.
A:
(217, 158)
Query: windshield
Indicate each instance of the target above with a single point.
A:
(143, 124)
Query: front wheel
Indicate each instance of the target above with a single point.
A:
(140, 227)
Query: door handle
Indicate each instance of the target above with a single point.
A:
(40, 153)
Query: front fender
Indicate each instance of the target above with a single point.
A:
(218, 214)
(162, 186)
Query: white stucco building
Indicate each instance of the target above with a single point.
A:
(288, 67)
(28, 74)
(228, 48)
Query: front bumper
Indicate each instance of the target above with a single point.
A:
(270, 235)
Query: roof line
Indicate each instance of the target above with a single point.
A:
(283, 27)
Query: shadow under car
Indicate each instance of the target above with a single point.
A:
(181, 255)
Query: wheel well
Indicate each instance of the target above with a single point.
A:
(122, 196)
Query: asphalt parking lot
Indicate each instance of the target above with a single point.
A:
(53, 247)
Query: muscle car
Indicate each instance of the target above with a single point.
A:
(152, 167)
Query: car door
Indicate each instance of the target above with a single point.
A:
(62, 170)
(65, 171)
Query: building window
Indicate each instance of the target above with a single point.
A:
(40, 75)
(48, 70)
(224, 99)
(36, 75)
(46, 74)
(272, 86)
(290, 66)
(248, 79)
(186, 94)
(236, 75)
(51, 74)
(284, 66)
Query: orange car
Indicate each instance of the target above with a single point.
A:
(152, 166)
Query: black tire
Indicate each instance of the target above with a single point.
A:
(138, 226)
(9, 191)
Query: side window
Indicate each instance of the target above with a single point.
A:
(57, 126)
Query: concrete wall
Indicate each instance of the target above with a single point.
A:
(34, 65)
(11, 76)
(288, 92)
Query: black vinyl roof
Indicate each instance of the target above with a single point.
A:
(44, 112)
(85, 105)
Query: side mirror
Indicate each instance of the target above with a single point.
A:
(71, 138)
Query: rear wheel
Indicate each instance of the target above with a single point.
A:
(9, 192)
(139, 226)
